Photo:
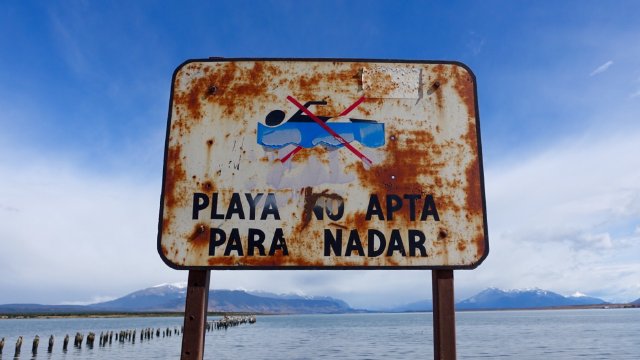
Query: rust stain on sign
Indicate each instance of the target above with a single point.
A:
(252, 180)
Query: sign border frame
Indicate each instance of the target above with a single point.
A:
(347, 60)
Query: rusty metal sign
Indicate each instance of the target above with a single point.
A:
(289, 164)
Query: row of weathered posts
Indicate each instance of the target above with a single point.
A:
(126, 336)
(230, 321)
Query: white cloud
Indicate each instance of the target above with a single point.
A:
(598, 241)
(475, 43)
(66, 39)
(559, 219)
(74, 233)
(94, 300)
(602, 68)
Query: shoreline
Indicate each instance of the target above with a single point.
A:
(105, 315)
(160, 314)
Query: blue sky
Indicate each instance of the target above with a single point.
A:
(84, 90)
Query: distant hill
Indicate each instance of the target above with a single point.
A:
(172, 297)
(636, 302)
(236, 300)
(493, 298)
(418, 306)
(40, 309)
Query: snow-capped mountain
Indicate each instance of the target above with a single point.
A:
(493, 298)
(164, 297)
(582, 299)
(172, 297)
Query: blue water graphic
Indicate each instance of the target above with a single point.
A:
(310, 134)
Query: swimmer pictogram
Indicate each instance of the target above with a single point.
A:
(306, 130)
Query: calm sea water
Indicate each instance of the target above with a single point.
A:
(554, 334)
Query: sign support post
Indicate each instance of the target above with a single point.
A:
(195, 315)
(444, 327)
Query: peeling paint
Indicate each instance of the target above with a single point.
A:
(389, 82)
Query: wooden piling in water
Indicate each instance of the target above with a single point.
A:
(125, 336)
(78, 340)
(34, 347)
(65, 343)
(90, 339)
(18, 346)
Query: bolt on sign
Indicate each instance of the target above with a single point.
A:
(287, 163)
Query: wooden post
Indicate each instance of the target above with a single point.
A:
(444, 322)
(34, 347)
(18, 347)
(90, 338)
(195, 315)
(65, 343)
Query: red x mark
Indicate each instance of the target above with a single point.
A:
(337, 136)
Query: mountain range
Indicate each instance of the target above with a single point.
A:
(493, 299)
(172, 297)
